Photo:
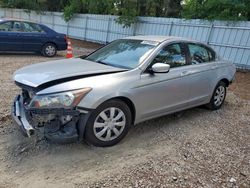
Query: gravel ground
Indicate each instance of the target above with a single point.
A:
(195, 148)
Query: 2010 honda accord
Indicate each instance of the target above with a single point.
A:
(97, 98)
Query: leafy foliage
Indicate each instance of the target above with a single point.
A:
(129, 10)
(87, 6)
(72, 8)
(21, 4)
(217, 9)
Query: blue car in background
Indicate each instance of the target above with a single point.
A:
(25, 36)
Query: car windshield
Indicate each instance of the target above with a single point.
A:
(123, 53)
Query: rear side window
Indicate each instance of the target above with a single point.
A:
(6, 26)
(31, 27)
(200, 54)
(171, 54)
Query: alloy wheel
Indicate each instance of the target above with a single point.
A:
(109, 124)
(219, 95)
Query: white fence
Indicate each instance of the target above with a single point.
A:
(231, 40)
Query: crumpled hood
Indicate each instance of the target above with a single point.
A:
(37, 74)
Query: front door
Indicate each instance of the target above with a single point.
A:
(164, 92)
(10, 36)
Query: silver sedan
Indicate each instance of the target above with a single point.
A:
(98, 97)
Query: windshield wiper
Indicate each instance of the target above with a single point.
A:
(101, 62)
(113, 65)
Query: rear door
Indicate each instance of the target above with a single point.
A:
(33, 36)
(200, 72)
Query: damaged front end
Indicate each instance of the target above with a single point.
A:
(55, 114)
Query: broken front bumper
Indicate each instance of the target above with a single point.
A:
(19, 115)
(54, 129)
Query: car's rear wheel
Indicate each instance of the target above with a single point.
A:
(218, 97)
(108, 124)
(49, 50)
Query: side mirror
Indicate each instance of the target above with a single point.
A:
(160, 68)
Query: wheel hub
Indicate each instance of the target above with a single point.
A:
(50, 50)
(110, 124)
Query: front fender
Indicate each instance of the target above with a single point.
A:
(93, 101)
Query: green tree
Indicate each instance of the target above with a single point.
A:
(27, 4)
(127, 10)
(217, 9)
(55, 5)
(87, 6)
(71, 8)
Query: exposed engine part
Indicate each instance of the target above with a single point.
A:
(65, 119)
(52, 126)
(41, 120)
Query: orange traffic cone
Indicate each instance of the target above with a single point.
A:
(69, 49)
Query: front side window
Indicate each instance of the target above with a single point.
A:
(124, 53)
(199, 54)
(172, 55)
(6, 26)
(11, 26)
(31, 27)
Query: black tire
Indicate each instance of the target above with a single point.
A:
(49, 50)
(90, 136)
(212, 104)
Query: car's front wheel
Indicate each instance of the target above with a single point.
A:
(108, 124)
(218, 97)
(49, 50)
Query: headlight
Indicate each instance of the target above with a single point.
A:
(59, 100)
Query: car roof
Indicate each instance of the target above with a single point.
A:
(160, 39)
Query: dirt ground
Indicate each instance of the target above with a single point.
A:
(196, 148)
